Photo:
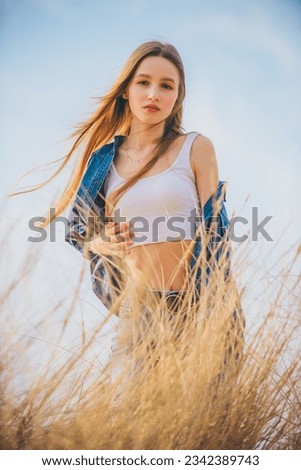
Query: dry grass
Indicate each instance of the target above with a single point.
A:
(190, 398)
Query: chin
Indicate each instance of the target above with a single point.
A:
(151, 120)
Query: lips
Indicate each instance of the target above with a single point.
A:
(152, 106)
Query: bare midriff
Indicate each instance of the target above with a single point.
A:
(162, 266)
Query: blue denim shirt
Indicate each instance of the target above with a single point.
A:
(87, 201)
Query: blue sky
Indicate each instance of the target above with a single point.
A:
(243, 70)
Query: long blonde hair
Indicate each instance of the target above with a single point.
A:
(113, 117)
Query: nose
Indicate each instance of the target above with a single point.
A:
(153, 93)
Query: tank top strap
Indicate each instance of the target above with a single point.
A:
(184, 157)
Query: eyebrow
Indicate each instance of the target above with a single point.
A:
(167, 79)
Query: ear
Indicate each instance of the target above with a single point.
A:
(124, 96)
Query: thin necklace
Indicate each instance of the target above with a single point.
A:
(133, 160)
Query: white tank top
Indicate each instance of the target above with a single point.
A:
(161, 207)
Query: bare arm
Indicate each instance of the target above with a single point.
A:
(204, 164)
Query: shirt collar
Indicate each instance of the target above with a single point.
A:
(118, 139)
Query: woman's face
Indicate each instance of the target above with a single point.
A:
(153, 90)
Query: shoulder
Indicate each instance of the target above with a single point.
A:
(204, 166)
(202, 153)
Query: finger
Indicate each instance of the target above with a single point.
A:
(128, 231)
(110, 230)
(121, 246)
(120, 232)
(122, 227)
(113, 229)
(119, 237)
(110, 225)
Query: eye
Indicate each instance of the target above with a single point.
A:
(165, 85)
(143, 82)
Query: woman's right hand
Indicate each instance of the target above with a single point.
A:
(117, 240)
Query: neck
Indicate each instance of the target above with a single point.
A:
(142, 136)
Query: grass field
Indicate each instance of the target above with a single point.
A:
(186, 394)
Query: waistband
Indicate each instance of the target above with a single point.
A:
(149, 300)
(165, 293)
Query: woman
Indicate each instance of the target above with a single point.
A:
(152, 178)
(141, 192)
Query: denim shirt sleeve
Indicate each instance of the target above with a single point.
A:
(105, 276)
(78, 216)
(215, 224)
(85, 220)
